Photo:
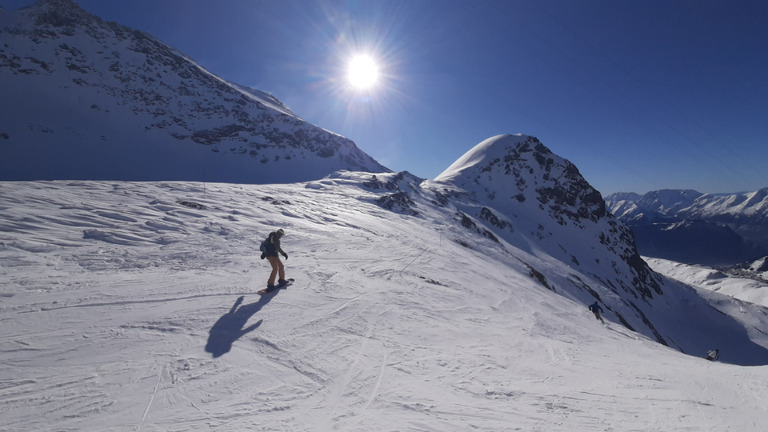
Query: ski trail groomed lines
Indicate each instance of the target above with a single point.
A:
(151, 398)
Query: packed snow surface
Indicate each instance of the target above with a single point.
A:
(750, 290)
(133, 306)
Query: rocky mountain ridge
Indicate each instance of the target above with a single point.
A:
(89, 99)
(692, 227)
(514, 190)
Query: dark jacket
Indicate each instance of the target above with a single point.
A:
(594, 307)
(273, 245)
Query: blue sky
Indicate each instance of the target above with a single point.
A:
(639, 94)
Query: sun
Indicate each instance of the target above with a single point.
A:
(362, 72)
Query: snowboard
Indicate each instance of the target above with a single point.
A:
(288, 282)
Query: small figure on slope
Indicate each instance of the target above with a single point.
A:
(596, 309)
(271, 248)
(713, 355)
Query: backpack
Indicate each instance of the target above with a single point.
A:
(267, 245)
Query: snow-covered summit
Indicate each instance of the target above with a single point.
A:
(538, 208)
(88, 99)
(511, 169)
(760, 266)
(544, 195)
(485, 154)
(727, 229)
(668, 201)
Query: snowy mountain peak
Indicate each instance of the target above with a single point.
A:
(670, 200)
(760, 266)
(513, 190)
(731, 228)
(484, 154)
(89, 99)
(521, 168)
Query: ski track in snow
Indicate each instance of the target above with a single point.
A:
(124, 309)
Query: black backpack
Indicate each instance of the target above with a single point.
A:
(266, 245)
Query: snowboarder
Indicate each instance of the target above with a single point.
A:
(713, 354)
(271, 250)
(596, 309)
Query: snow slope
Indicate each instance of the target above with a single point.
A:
(132, 306)
(750, 290)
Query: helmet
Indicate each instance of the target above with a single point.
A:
(281, 232)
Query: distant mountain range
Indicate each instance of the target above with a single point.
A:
(691, 227)
(88, 99)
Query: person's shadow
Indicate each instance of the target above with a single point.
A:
(229, 327)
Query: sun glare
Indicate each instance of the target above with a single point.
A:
(362, 72)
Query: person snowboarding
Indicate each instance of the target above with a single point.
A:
(713, 355)
(271, 250)
(596, 309)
